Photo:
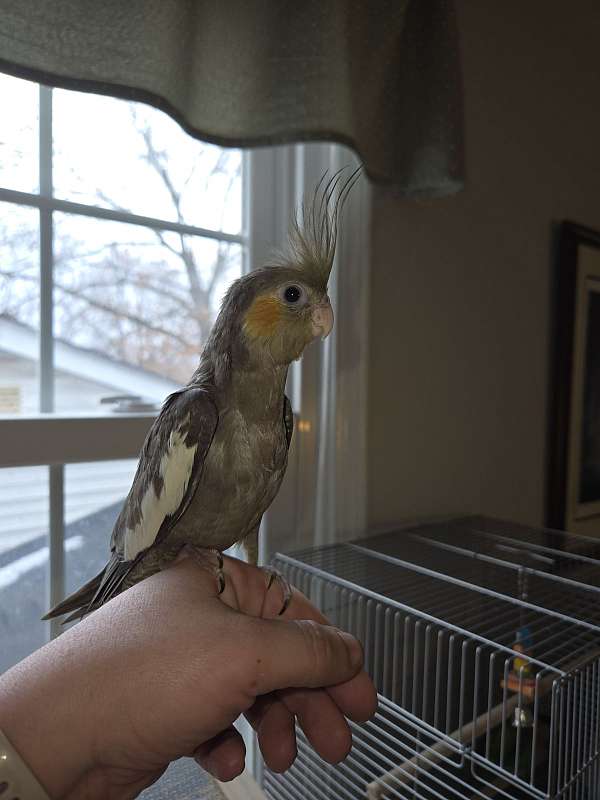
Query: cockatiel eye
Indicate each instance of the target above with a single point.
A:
(293, 295)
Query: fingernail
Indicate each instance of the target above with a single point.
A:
(354, 648)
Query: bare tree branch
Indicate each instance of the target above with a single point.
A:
(111, 203)
(184, 305)
(119, 313)
(221, 263)
(155, 159)
(160, 235)
(102, 250)
(122, 314)
(167, 294)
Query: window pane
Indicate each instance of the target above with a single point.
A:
(19, 309)
(23, 561)
(130, 156)
(94, 494)
(133, 307)
(18, 134)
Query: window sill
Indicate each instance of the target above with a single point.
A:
(69, 439)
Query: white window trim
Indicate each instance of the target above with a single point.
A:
(69, 439)
(347, 433)
(323, 497)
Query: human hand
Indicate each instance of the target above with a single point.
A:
(164, 670)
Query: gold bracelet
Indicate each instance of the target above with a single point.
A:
(16, 779)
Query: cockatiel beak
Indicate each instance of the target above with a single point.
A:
(322, 320)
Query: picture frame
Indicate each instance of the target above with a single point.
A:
(573, 485)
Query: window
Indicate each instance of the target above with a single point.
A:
(118, 237)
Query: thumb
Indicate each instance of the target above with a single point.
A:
(301, 653)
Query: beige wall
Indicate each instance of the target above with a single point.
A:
(460, 299)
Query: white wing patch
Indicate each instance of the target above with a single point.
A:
(175, 470)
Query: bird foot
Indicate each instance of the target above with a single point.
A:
(209, 558)
(274, 576)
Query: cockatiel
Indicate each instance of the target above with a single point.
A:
(215, 456)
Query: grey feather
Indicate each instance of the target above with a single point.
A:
(194, 404)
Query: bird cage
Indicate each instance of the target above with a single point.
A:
(483, 640)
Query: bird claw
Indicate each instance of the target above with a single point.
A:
(274, 576)
(204, 556)
(220, 573)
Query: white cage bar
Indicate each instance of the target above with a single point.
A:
(483, 639)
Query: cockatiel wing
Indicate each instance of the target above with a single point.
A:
(168, 473)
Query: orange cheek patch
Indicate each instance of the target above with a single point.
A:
(263, 317)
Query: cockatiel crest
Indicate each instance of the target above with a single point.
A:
(289, 305)
(216, 454)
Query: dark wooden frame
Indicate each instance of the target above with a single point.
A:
(570, 237)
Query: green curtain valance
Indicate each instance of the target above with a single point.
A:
(381, 76)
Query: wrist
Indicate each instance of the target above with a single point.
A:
(41, 717)
(15, 775)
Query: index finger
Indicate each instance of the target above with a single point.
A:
(356, 698)
(246, 589)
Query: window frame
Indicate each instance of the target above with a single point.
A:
(323, 497)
